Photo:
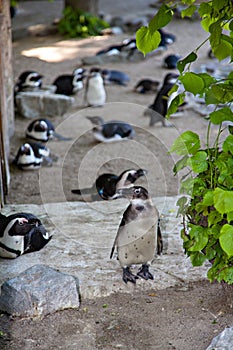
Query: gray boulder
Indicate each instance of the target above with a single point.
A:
(35, 104)
(38, 291)
(223, 341)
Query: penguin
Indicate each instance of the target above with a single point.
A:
(107, 184)
(166, 38)
(115, 76)
(111, 131)
(43, 130)
(21, 233)
(158, 110)
(137, 233)
(146, 85)
(31, 155)
(95, 94)
(170, 61)
(28, 81)
(68, 84)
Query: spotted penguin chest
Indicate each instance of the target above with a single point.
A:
(137, 242)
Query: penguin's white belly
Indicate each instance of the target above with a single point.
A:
(137, 242)
(96, 95)
(13, 242)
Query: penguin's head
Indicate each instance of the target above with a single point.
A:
(36, 239)
(20, 226)
(170, 78)
(132, 193)
(26, 150)
(30, 79)
(130, 176)
(79, 72)
(96, 120)
(77, 83)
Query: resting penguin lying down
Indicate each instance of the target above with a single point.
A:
(138, 234)
(21, 233)
(107, 184)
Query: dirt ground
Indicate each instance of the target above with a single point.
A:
(179, 318)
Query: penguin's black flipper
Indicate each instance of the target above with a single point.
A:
(159, 239)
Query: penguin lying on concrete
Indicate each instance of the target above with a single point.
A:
(111, 131)
(170, 61)
(31, 155)
(167, 38)
(137, 234)
(68, 84)
(95, 94)
(146, 85)
(43, 130)
(21, 233)
(28, 81)
(158, 110)
(107, 184)
(115, 76)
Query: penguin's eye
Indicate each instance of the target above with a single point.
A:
(137, 191)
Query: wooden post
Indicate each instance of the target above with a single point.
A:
(6, 97)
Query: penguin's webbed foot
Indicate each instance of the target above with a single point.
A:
(128, 276)
(145, 273)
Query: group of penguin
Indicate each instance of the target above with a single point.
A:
(138, 237)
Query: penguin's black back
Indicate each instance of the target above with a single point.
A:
(119, 128)
(64, 84)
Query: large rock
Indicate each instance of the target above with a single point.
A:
(223, 341)
(35, 104)
(38, 291)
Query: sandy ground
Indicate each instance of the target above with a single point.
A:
(179, 319)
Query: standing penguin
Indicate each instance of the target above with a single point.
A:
(158, 110)
(21, 233)
(95, 94)
(107, 184)
(137, 234)
(111, 131)
(43, 130)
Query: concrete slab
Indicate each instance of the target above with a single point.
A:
(82, 241)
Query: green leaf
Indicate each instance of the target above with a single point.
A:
(192, 83)
(222, 50)
(208, 198)
(182, 203)
(161, 19)
(223, 92)
(146, 40)
(204, 9)
(197, 258)
(198, 162)
(226, 239)
(180, 164)
(188, 12)
(175, 103)
(228, 144)
(187, 186)
(223, 200)
(188, 59)
(221, 115)
(230, 216)
(200, 236)
(186, 143)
